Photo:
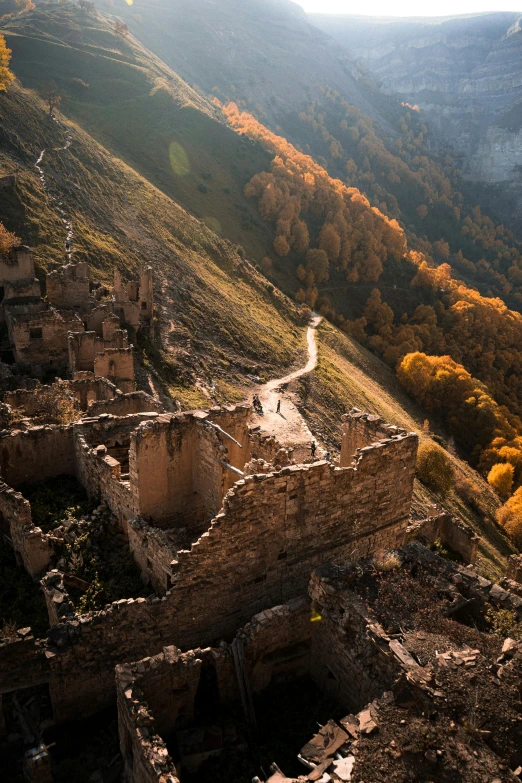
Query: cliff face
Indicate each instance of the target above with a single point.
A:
(466, 73)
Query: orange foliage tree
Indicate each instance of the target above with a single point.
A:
(297, 195)
(8, 240)
(6, 77)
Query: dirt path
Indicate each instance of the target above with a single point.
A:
(288, 426)
(57, 203)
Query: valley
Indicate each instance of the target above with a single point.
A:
(260, 395)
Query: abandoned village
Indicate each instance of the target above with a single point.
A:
(251, 566)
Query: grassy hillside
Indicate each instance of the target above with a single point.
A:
(219, 321)
(349, 376)
(141, 111)
(205, 332)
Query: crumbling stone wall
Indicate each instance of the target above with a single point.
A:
(274, 529)
(258, 551)
(160, 692)
(31, 544)
(360, 430)
(98, 471)
(351, 656)
(69, 286)
(39, 334)
(37, 454)
(134, 302)
(450, 531)
(188, 489)
(88, 390)
(154, 552)
(125, 404)
(22, 291)
(116, 364)
(16, 265)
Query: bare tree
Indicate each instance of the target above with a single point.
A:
(53, 96)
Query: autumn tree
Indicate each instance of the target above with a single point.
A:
(510, 517)
(6, 76)
(501, 478)
(8, 240)
(317, 263)
(330, 242)
(434, 468)
(281, 246)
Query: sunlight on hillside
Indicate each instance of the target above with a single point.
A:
(178, 159)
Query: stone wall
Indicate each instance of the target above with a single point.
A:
(26, 290)
(39, 335)
(360, 430)
(133, 302)
(98, 471)
(125, 404)
(116, 364)
(448, 530)
(154, 552)
(69, 286)
(37, 454)
(259, 550)
(351, 658)
(16, 265)
(89, 390)
(176, 461)
(31, 544)
(275, 528)
(160, 692)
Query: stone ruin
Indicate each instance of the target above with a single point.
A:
(402, 694)
(217, 521)
(214, 542)
(78, 326)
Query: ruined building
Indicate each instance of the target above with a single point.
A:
(75, 328)
(433, 699)
(208, 538)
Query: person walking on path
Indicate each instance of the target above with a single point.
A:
(278, 410)
(313, 447)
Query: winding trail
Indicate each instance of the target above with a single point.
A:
(288, 426)
(57, 203)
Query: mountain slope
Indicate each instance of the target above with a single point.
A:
(218, 320)
(464, 72)
(120, 220)
(264, 52)
(141, 111)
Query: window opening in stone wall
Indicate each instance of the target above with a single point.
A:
(36, 333)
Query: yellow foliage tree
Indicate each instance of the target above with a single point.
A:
(434, 468)
(6, 77)
(281, 246)
(501, 478)
(7, 239)
(510, 517)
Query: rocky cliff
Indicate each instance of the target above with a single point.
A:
(465, 72)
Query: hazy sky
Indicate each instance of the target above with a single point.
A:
(409, 7)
